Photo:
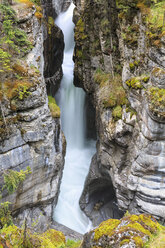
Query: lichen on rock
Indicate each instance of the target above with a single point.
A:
(130, 231)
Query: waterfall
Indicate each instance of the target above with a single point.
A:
(79, 150)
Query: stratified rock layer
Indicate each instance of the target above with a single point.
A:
(30, 136)
(131, 141)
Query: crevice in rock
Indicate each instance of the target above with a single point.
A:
(98, 199)
(53, 49)
(90, 118)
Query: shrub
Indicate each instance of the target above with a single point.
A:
(12, 179)
(5, 215)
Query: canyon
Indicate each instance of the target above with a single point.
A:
(119, 62)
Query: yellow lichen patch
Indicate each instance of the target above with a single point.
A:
(106, 228)
(54, 109)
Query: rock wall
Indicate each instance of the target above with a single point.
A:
(29, 135)
(53, 48)
(114, 39)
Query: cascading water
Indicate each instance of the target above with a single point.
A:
(79, 151)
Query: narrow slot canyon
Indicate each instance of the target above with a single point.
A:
(79, 146)
(82, 123)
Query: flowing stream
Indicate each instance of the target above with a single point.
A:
(79, 150)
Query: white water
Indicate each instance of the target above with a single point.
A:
(79, 151)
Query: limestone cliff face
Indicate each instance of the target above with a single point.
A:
(53, 48)
(121, 38)
(30, 136)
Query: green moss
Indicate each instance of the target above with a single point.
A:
(135, 226)
(146, 79)
(117, 113)
(50, 24)
(100, 76)
(156, 241)
(80, 31)
(112, 91)
(72, 244)
(130, 35)
(138, 241)
(128, 9)
(156, 98)
(54, 109)
(14, 237)
(134, 229)
(17, 89)
(136, 63)
(131, 110)
(124, 242)
(117, 96)
(134, 83)
(132, 66)
(153, 17)
(23, 92)
(106, 228)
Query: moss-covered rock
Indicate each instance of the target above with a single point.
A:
(112, 93)
(13, 236)
(137, 82)
(131, 230)
(156, 99)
